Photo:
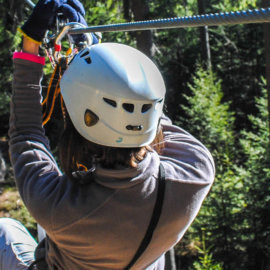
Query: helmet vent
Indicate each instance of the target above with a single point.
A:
(90, 118)
(146, 107)
(88, 60)
(110, 102)
(134, 128)
(128, 107)
(84, 54)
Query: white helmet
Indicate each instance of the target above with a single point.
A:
(114, 95)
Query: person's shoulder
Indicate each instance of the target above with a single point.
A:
(185, 158)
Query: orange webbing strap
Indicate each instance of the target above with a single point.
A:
(52, 94)
(47, 116)
(50, 85)
(63, 110)
(81, 167)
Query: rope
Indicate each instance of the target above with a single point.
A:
(238, 17)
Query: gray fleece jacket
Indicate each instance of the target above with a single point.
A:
(100, 225)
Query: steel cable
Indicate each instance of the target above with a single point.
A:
(227, 18)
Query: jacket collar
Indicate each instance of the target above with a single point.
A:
(125, 178)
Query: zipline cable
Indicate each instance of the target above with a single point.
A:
(261, 15)
(227, 18)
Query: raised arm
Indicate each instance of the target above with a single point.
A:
(30, 47)
(36, 172)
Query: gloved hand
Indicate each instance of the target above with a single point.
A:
(44, 15)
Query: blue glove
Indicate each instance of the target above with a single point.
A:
(74, 11)
(44, 15)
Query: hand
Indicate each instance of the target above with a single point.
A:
(44, 15)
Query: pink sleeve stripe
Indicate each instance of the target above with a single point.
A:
(29, 57)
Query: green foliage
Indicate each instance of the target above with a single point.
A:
(206, 261)
(256, 143)
(210, 120)
(107, 12)
(231, 60)
(234, 216)
(4, 103)
(256, 214)
(172, 8)
(13, 207)
(8, 43)
(226, 5)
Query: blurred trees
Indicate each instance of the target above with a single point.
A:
(11, 16)
(235, 216)
(138, 10)
(204, 36)
(212, 122)
(266, 31)
(225, 107)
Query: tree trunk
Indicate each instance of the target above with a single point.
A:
(266, 28)
(126, 7)
(13, 15)
(140, 10)
(170, 263)
(204, 36)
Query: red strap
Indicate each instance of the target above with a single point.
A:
(57, 47)
(30, 57)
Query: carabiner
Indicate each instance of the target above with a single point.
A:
(63, 33)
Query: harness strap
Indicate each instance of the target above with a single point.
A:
(154, 219)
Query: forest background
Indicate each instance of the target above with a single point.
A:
(217, 90)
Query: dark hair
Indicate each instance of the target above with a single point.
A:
(76, 152)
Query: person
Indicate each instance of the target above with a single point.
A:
(116, 130)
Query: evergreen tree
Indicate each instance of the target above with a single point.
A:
(256, 213)
(210, 120)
